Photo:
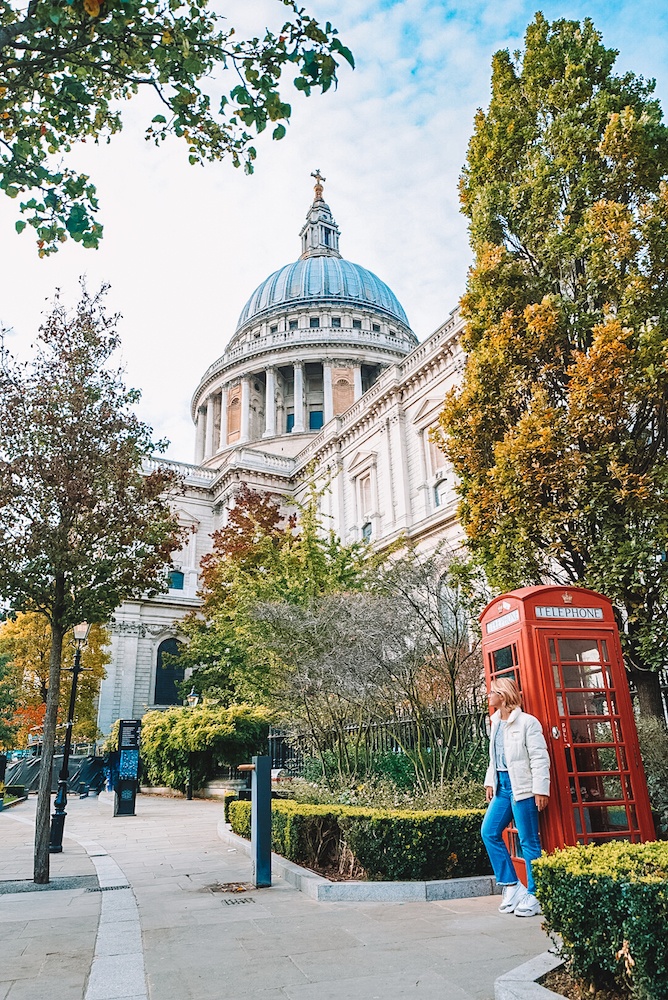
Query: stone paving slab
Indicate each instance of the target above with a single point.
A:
(199, 944)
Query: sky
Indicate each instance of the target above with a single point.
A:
(185, 247)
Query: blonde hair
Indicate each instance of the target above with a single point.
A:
(509, 691)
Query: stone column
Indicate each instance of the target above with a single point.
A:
(199, 436)
(357, 381)
(270, 403)
(208, 448)
(298, 427)
(397, 446)
(222, 443)
(328, 410)
(245, 410)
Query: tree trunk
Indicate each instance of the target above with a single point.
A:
(649, 694)
(43, 814)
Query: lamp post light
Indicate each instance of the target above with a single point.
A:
(58, 818)
(193, 700)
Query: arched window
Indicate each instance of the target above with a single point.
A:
(168, 676)
(176, 580)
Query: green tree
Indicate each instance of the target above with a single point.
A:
(66, 66)
(8, 724)
(403, 652)
(260, 556)
(559, 430)
(26, 640)
(84, 523)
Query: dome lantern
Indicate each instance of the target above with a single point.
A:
(320, 233)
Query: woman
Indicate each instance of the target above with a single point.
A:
(517, 785)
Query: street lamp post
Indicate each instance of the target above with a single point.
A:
(58, 818)
(193, 700)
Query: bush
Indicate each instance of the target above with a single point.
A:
(456, 793)
(653, 737)
(15, 791)
(609, 904)
(228, 797)
(204, 739)
(387, 844)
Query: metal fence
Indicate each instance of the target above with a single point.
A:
(289, 750)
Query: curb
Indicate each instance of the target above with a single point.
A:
(14, 802)
(324, 891)
(520, 983)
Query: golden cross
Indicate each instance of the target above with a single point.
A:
(319, 181)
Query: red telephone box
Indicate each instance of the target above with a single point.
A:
(561, 645)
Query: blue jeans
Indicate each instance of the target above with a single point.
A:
(501, 809)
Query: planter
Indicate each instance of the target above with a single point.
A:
(521, 983)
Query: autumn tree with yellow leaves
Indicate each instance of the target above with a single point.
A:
(559, 430)
(26, 642)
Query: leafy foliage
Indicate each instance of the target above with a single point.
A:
(382, 844)
(84, 524)
(260, 556)
(8, 723)
(609, 906)
(204, 739)
(65, 66)
(400, 653)
(558, 432)
(26, 640)
(653, 739)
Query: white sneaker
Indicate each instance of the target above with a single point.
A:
(512, 895)
(528, 907)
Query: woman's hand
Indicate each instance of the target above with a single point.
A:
(489, 793)
(541, 802)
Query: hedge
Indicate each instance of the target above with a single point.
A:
(609, 904)
(386, 844)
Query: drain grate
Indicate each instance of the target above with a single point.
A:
(235, 901)
(107, 888)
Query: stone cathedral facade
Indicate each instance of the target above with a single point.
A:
(323, 377)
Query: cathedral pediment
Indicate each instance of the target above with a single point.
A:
(428, 411)
(361, 461)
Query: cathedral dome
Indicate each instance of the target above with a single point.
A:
(325, 279)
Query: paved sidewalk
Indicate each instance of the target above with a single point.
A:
(202, 944)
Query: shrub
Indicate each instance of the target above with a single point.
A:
(15, 791)
(609, 904)
(417, 845)
(203, 739)
(387, 844)
(456, 793)
(228, 797)
(653, 737)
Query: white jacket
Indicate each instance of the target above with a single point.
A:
(526, 755)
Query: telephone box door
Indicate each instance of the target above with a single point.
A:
(600, 784)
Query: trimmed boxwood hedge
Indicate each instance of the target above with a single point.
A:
(387, 844)
(609, 904)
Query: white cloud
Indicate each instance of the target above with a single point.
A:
(184, 247)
